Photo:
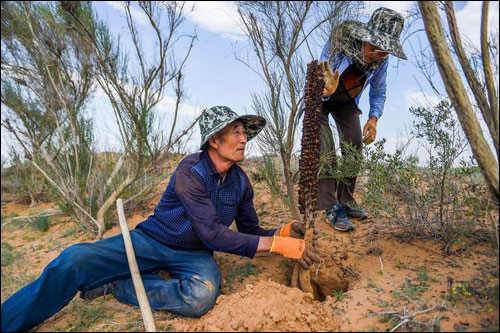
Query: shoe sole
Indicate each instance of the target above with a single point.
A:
(344, 230)
(351, 228)
(358, 218)
(95, 293)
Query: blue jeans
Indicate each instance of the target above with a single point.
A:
(191, 291)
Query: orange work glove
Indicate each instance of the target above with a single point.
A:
(294, 229)
(331, 78)
(288, 247)
(295, 249)
(370, 130)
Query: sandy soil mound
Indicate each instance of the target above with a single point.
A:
(328, 276)
(266, 306)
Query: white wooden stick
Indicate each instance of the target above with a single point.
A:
(147, 314)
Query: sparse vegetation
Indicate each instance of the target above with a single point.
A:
(338, 295)
(87, 315)
(240, 273)
(436, 201)
(417, 288)
(8, 255)
(269, 172)
(39, 223)
(54, 57)
(23, 181)
(450, 281)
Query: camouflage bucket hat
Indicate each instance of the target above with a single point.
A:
(383, 30)
(217, 117)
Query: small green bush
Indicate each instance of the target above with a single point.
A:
(435, 200)
(8, 254)
(39, 223)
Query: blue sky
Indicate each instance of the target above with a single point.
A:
(214, 77)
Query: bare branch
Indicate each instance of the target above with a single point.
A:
(488, 74)
(472, 79)
(65, 195)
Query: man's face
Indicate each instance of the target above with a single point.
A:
(371, 53)
(230, 142)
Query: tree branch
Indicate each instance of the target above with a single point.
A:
(458, 95)
(488, 74)
(471, 77)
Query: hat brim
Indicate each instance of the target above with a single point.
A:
(253, 126)
(383, 42)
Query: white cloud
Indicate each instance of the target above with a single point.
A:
(217, 16)
(107, 129)
(167, 105)
(400, 6)
(417, 98)
(469, 20)
(138, 16)
(398, 142)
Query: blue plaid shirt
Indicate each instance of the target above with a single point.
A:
(196, 210)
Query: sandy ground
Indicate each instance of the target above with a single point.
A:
(389, 282)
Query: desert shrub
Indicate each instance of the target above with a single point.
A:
(40, 223)
(341, 167)
(23, 181)
(37, 223)
(436, 200)
(8, 254)
(270, 174)
(389, 176)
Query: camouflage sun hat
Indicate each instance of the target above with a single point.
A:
(217, 117)
(383, 30)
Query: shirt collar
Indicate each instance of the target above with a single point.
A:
(211, 166)
(213, 170)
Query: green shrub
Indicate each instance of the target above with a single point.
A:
(39, 223)
(8, 255)
(270, 173)
(436, 200)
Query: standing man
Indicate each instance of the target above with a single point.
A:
(358, 54)
(206, 192)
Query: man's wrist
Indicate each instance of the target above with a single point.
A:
(265, 243)
(374, 118)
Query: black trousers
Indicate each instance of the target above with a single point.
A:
(331, 188)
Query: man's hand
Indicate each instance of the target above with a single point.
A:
(295, 249)
(309, 257)
(370, 130)
(295, 229)
(331, 79)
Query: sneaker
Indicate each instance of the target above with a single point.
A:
(356, 213)
(105, 289)
(338, 218)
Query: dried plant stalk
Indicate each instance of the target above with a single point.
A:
(309, 156)
(309, 165)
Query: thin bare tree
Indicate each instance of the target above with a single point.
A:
(68, 50)
(487, 104)
(46, 84)
(135, 96)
